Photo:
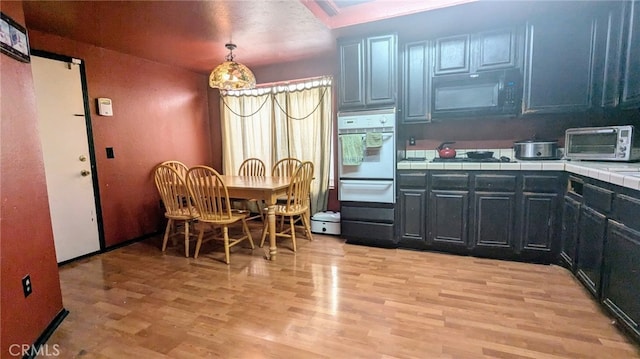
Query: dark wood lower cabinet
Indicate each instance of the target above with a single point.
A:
(593, 227)
(539, 226)
(496, 214)
(448, 220)
(621, 276)
(569, 236)
(412, 221)
(494, 222)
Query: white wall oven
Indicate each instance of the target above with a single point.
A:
(612, 143)
(367, 170)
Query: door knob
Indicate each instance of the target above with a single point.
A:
(85, 173)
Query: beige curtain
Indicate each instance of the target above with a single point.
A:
(246, 130)
(286, 120)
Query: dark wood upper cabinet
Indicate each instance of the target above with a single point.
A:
(607, 62)
(452, 55)
(380, 72)
(469, 53)
(416, 80)
(496, 49)
(367, 72)
(351, 90)
(631, 77)
(558, 63)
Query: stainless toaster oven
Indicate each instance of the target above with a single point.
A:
(611, 143)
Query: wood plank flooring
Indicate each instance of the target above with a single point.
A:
(328, 300)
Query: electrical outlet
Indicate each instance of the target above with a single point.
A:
(26, 285)
(412, 141)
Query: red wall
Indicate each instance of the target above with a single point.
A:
(26, 238)
(160, 113)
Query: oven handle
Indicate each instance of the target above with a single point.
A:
(385, 135)
(367, 184)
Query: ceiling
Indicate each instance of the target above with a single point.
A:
(192, 34)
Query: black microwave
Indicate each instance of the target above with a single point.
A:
(489, 93)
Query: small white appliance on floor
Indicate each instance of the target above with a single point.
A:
(326, 223)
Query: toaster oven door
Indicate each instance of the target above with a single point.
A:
(596, 145)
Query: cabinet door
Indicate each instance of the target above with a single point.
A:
(554, 83)
(452, 55)
(607, 57)
(539, 213)
(631, 80)
(416, 79)
(380, 70)
(569, 237)
(593, 226)
(494, 221)
(495, 49)
(412, 215)
(351, 90)
(448, 219)
(621, 279)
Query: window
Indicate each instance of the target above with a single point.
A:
(284, 120)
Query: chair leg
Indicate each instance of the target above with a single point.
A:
(225, 232)
(199, 243)
(186, 239)
(265, 231)
(166, 234)
(306, 221)
(292, 223)
(245, 227)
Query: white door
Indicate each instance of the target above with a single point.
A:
(65, 146)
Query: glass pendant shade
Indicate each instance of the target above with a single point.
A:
(231, 75)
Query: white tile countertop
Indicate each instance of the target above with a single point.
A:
(619, 173)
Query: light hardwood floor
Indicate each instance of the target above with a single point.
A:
(328, 300)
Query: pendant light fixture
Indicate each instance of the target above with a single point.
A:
(231, 75)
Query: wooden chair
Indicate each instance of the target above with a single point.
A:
(178, 166)
(177, 203)
(297, 205)
(285, 167)
(256, 168)
(211, 199)
(252, 167)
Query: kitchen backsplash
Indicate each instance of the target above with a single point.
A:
(497, 153)
(431, 154)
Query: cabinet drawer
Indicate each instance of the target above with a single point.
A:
(597, 198)
(540, 183)
(373, 214)
(627, 211)
(495, 183)
(450, 181)
(417, 179)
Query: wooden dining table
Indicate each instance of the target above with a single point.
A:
(267, 189)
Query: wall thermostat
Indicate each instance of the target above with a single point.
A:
(104, 107)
